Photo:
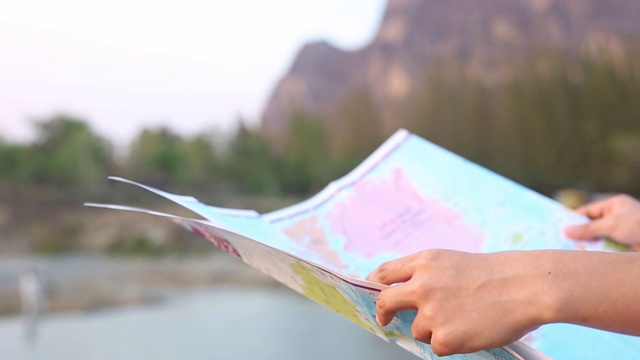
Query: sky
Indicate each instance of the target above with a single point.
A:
(191, 65)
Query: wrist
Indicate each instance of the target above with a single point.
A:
(566, 288)
(547, 274)
(553, 295)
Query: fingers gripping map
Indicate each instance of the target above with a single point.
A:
(409, 195)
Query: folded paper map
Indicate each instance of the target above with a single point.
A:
(409, 195)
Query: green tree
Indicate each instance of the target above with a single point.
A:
(15, 163)
(158, 157)
(356, 130)
(203, 161)
(249, 165)
(68, 152)
(553, 121)
(307, 165)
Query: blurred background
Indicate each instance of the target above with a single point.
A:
(254, 104)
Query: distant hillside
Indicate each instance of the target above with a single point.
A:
(417, 35)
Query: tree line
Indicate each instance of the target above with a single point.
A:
(555, 122)
(69, 160)
(552, 121)
(558, 122)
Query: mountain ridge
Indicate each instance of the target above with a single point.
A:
(416, 35)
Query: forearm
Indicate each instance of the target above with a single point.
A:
(595, 289)
(467, 302)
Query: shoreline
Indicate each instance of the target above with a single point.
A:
(89, 282)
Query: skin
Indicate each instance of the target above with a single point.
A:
(469, 302)
(617, 217)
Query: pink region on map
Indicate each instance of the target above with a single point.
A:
(391, 216)
(215, 239)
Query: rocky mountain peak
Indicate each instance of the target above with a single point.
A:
(415, 35)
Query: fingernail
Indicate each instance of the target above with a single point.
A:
(571, 231)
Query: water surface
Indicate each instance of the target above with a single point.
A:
(222, 323)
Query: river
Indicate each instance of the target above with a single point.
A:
(226, 322)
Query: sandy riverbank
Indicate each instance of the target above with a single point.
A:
(82, 282)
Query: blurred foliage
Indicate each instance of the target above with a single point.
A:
(249, 166)
(306, 164)
(554, 122)
(67, 152)
(557, 122)
(160, 158)
(355, 131)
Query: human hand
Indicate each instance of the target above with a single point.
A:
(466, 302)
(617, 217)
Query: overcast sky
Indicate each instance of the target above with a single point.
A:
(192, 65)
